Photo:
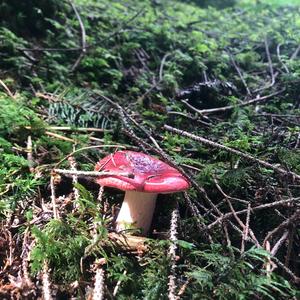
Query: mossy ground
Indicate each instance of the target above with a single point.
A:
(157, 62)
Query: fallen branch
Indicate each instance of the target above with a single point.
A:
(231, 150)
(83, 37)
(68, 128)
(9, 93)
(259, 207)
(230, 107)
(128, 242)
(91, 173)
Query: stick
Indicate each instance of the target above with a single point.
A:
(230, 107)
(259, 207)
(10, 94)
(92, 173)
(60, 137)
(231, 150)
(87, 148)
(53, 197)
(83, 37)
(29, 154)
(172, 255)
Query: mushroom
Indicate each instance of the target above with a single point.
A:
(148, 178)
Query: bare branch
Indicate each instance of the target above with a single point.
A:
(231, 150)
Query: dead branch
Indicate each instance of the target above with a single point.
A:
(92, 173)
(9, 93)
(230, 107)
(291, 220)
(240, 74)
(53, 197)
(279, 243)
(231, 150)
(83, 37)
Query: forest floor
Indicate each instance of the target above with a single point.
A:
(213, 92)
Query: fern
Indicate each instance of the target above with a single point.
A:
(78, 109)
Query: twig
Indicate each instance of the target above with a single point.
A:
(259, 207)
(287, 270)
(29, 154)
(269, 62)
(83, 37)
(67, 128)
(156, 83)
(26, 258)
(231, 150)
(194, 212)
(279, 243)
(230, 107)
(183, 288)
(10, 94)
(240, 74)
(92, 173)
(279, 58)
(172, 254)
(53, 197)
(98, 293)
(273, 76)
(87, 148)
(161, 68)
(289, 246)
(46, 282)
(296, 52)
(284, 224)
(246, 229)
(73, 164)
(118, 285)
(242, 224)
(60, 137)
(269, 263)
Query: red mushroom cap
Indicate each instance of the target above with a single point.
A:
(149, 175)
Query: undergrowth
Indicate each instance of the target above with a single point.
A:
(161, 62)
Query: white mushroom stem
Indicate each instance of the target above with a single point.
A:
(136, 211)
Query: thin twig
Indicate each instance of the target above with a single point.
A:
(295, 278)
(296, 52)
(29, 154)
(67, 128)
(231, 150)
(231, 107)
(10, 94)
(291, 220)
(289, 246)
(118, 284)
(59, 136)
(271, 70)
(46, 282)
(161, 68)
(73, 165)
(172, 254)
(280, 59)
(92, 173)
(98, 292)
(259, 207)
(53, 197)
(88, 148)
(83, 37)
(279, 243)
(251, 233)
(183, 288)
(240, 74)
(246, 229)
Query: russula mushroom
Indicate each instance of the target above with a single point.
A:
(148, 177)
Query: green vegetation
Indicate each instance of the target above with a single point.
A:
(80, 79)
